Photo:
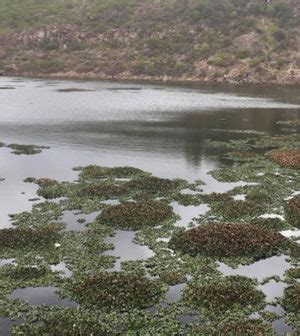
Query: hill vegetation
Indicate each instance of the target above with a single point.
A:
(238, 41)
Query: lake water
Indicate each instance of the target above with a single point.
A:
(155, 127)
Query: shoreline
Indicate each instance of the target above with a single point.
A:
(132, 79)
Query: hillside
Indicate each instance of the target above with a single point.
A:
(237, 41)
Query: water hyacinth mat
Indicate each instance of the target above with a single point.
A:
(201, 278)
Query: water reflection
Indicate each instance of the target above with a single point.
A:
(41, 295)
(125, 249)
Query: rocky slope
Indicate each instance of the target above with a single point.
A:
(237, 41)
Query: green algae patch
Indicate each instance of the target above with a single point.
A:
(286, 158)
(293, 211)
(234, 328)
(136, 215)
(118, 290)
(65, 322)
(230, 293)
(97, 172)
(228, 240)
(26, 149)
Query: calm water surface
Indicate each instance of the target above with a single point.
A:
(158, 128)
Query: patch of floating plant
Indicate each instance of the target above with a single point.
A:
(229, 241)
(7, 87)
(292, 274)
(39, 217)
(289, 125)
(159, 187)
(65, 322)
(231, 293)
(116, 301)
(291, 299)
(67, 90)
(243, 327)
(135, 215)
(26, 149)
(15, 240)
(291, 303)
(95, 172)
(117, 290)
(293, 211)
(286, 158)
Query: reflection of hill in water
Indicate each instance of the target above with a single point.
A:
(172, 121)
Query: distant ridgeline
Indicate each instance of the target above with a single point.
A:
(239, 41)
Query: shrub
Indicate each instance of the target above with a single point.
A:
(228, 240)
(243, 53)
(221, 59)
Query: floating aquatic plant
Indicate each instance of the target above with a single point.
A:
(289, 123)
(286, 158)
(26, 149)
(235, 328)
(103, 190)
(14, 238)
(291, 298)
(97, 172)
(228, 240)
(229, 293)
(155, 185)
(135, 215)
(293, 211)
(234, 209)
(25, 273)
(66, 322)
(118, 290)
